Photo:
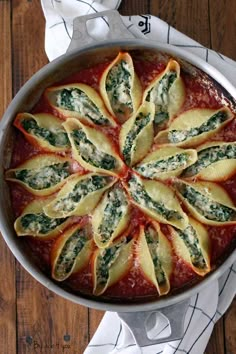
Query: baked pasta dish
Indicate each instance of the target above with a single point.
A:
(122, 177)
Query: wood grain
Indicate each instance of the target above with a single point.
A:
(28, 40)
(223, 26)
(95, 317)
(134, 7)
(189, 17)
(217, 339)
(48, 323)
(7, 261)
(6, 56)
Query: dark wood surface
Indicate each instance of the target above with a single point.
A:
(32, 318)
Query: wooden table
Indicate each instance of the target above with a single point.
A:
(32, 318)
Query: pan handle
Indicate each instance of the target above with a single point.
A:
(81, 36)
(138, 323)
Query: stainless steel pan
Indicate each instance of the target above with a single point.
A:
(84, 51)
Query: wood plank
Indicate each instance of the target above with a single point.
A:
(134, 7)
(223, 26)
(189, 17)
(7, 261)
(216, 342)
(230, 329)
(5, 58)
(95, 317)
(46, 322)
(28, 40)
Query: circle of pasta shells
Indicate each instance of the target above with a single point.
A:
(137, 152)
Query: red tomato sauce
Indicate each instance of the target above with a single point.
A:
(133, 284)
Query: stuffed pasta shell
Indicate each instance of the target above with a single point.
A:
(194, 126)
(120, 87)
(216, 162)
(155, 256)
(110, 264)
(158, 201)
(167, 92)
(166, 162)
(208, 202)
(111, 216)
(34, 222)
(193, 245)
(42, 174)
(79, 195)
(136, 135)
(43, 130)
(80, 101)
(92, 148)
(71, 252)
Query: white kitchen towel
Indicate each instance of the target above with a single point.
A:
(112, 336)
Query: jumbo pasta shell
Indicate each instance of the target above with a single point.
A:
(80, 101)
(120, 87)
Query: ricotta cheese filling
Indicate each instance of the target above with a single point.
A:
(44, 177)
(90, 153)
(105, 260)
(142, 198)
(214, 122)
(115, 209)
(80, 191)
(152, 240)
(55, 137)
(155, 168)
(159, 95)
(140, 123)
(190, 238)
(76, 100)
(70, 251)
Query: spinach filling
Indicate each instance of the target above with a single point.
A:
(57, 138)
(39, 223)
(153, 246)
(118, 87)
(71, 249)
(74, 99)
(112, 214)
(172, 163)
(210, 155)
(207, 207)
(80, 191)
(189, 236)
(44, 177)
(141, 197)
(105, 259)
(214, 122)
(140, 123)
(90, 153)
(159, 95)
